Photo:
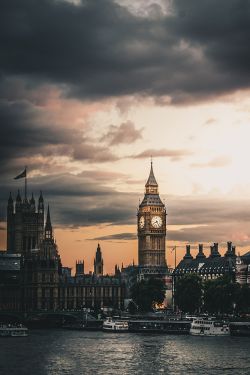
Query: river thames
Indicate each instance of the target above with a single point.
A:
(51, 352)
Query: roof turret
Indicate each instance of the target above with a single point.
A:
(151, 179)
(10, 200)
(32, 200)
(18, 197)
(48, 226)
(40, 197)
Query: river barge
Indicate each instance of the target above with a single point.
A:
(12, 330)
(112, 325)
(174, 327)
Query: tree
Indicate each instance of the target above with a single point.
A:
(221, 295)
(188, 293)
(146, 293)
(243, 302)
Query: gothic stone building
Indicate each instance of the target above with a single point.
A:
(151, 231)
(38, 281)
(243, 269)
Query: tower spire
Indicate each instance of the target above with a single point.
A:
(48, 226)
(151, 184)
(98, 262)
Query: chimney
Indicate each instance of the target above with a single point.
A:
(188, 254)
(215, 250)
(234, 251)
(200, 254)
(229, 249)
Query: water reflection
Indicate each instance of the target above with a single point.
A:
(73, 352)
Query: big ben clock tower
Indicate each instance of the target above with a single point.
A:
(152, 227)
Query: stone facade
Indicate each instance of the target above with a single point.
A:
(151, 226)
(34, 280)
(243, 269)
(25, 224)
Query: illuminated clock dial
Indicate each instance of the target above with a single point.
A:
(156, 221)
(142, 222)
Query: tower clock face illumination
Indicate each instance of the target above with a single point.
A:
(156, 221)
(141, 222)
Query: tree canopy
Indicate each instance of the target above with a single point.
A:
(217, 296)
(146, 293)
(223, 296)
(188, 293)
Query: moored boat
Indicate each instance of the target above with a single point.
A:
(175, 327)
(10, 330)
(111, 325)
(209, 327)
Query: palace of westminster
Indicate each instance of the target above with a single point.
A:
(32, 277)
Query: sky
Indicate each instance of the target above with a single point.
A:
(91, 89)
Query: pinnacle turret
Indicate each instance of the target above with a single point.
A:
(10, 200)
(98, 262)
(18, 197)
(151, 179)
(48, 226)
(40, 203)
(32, 200)
(10, 207)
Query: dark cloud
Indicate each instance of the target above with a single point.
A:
(174, 155)
(207, 210)
(29, 137)
(239, 234)
(103, 176)
(125, 133)
(196, 51)
(75, 201)
(118, 236)
(24, 134)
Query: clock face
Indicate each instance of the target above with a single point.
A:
(141, 222)
(156, 221)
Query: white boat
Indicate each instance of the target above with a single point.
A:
(110, 325)
(209, 327)
(10, 330)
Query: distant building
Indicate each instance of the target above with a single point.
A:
(151, 231)
(243, 269)
(210, 267)
(98, 262)
(31, 274)
(151, 228)
(10, 281)
(25, 224)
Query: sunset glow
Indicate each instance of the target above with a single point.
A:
(87, 113)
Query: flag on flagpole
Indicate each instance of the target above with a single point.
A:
(21, 175)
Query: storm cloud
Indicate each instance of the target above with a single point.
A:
(195, 51)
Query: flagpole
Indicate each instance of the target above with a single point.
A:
(25, 184)
(175, 256)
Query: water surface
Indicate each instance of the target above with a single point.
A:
(51, 352)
